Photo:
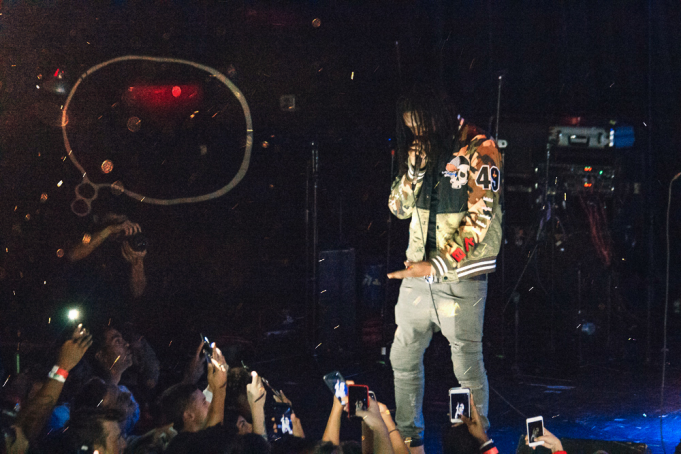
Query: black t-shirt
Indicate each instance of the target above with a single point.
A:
(213, 440)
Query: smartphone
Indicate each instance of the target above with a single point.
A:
(336, 383)
(459, 404)
(280, 421)
(535, 429)
(358, 398)
(207, 350)
(267, 383)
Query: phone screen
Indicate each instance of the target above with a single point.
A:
(535, 429)
(336, 384)
(459, 404)
(280, 421)
(358, 398)
(207, 350)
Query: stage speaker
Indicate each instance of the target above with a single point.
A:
(337, 307)
(586, 446)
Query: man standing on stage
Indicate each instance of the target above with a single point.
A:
(449, 185)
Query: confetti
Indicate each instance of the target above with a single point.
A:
(134, 124)
(115, 361)
(417, 301)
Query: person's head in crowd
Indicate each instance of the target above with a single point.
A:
(249, 444)
(288, 444)
(110, 354)
(234, 419)
(186, 407)
(98, 430)
(96, 393)
(326, 447)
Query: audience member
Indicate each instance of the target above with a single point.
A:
(197, 421)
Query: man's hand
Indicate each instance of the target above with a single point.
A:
(194, 369)
(413, 269)
(217, 370)
(256, 391)
(474, 424)
(283, 399)
(18, 445)
(127, 228)
(385, 414)
(73, 349)
(550, 441)
(415, 147)
(130, 255)
(372, 417)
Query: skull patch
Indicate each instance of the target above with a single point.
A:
(457, 170)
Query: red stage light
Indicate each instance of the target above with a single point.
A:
(165, 99)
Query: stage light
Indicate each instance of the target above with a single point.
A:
(73, 314)
(177, 91)
(107, 166)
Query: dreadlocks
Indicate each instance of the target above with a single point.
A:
(435, 123)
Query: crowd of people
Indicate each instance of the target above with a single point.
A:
(81, 406)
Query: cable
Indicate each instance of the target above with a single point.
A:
(507, 402)
(666, 307)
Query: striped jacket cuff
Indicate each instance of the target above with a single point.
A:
(474, 269)
(440, 266)
(412, 174)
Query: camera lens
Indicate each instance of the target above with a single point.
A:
(138, 242)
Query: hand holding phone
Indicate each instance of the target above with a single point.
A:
(358, 399)
(280, 420)
(336, 383)
(459, 404)
(535, 429)
(207, 349)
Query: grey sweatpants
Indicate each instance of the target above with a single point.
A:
(461, 308)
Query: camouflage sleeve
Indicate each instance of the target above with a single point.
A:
(401, 201)
(484, 184)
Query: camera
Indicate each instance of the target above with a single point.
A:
(138, 242)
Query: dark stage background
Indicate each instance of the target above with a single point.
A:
(236, 266)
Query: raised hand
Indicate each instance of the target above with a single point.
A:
(283, 399)
(127, 228)
(474, 424)
(550, 441)
(130, 255)
(372, 416)
(256, 391)
(217, 370)
(74, 349)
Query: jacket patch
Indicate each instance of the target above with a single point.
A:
(457, 170)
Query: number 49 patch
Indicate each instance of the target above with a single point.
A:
(488, 178)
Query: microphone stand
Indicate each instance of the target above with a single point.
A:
(312, 243)
(387, 264)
